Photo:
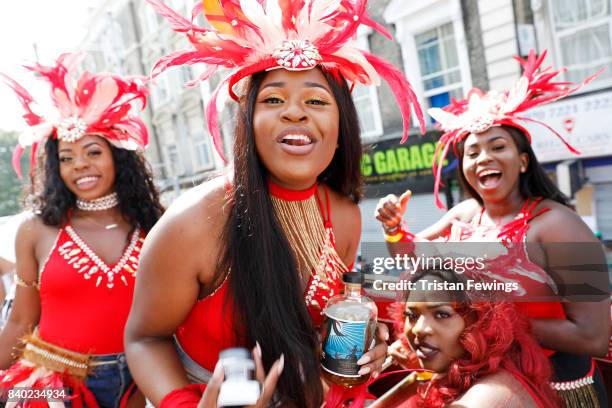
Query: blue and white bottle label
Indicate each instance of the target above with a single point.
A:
(343, 345)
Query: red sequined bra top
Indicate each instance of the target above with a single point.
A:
(85, 302)
(209, 329)
(514, 264)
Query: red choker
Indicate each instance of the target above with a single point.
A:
(291, 195)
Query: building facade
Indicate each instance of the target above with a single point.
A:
(449, 46)
(127, 36)
(445, 48)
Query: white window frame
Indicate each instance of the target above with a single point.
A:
(199, 140)
(175, 167)
(413, 18)
(557, 35)
(162, 82)
(440, 89)
(371, 93)
(151, 19)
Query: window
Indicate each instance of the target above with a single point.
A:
(161, 93)
(366, 99)
(152, 18)
(366, 103)
(202, 153)
(439, 65)
(583, 32)
(186, 74)
(174, 160)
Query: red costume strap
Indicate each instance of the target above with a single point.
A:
(186, 397)
(326, 214)
(516, 229)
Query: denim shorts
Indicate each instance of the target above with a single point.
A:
(109, 381)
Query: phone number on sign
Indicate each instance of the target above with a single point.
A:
(34, 394)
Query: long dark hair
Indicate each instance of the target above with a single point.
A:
(532, 183)
(265, 281)
(138, 196)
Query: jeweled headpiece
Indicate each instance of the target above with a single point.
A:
(94, 103)
(250, 36)
(480, 111)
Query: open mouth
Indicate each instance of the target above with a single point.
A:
(489, 178)
(86, 182)
(296, 140)
(426, 351)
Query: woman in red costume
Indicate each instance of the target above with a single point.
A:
(514, 203)
(481, 352)
(251, 258)
(78, 253)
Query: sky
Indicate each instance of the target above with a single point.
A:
(54, 26)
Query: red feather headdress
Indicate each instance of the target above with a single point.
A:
(94, 103)
(249, 36)
(480, 111)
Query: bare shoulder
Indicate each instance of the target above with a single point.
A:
(34, 235)
(558, 223)
(500, 389)
(186, 238)
(31, 225)
(343, 209)
(465, 210)
(195, 212)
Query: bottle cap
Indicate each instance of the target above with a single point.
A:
(236, 352)
(353, 277)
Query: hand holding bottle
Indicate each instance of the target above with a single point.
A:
(209, 399)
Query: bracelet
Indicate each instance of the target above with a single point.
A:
(394, 238)
(400, 236)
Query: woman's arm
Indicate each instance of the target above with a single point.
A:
(168, 286)
(26, 307)
(390, 212)
(573, 257)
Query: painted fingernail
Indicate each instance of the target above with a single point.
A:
(364, 371)
(218, 373)
(376, 374)
(364, 360)
(281, 364)
(258, 349)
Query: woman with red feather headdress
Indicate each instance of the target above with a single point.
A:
(250, 259)
(77, 252)
(514, 203)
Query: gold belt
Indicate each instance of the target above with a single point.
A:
(59, 359)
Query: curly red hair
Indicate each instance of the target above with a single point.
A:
(497, 336)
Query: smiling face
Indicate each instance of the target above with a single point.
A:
(87, 167)
(492, 164)
(296, 122)
(433, 327)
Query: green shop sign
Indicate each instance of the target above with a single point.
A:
(389, 167)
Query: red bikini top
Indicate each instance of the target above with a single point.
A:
(208, 329)
(515, 265)
(85, 302)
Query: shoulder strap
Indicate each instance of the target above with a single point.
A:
(529, 207)
(325, 214)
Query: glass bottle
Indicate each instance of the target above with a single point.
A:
(348, 332)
